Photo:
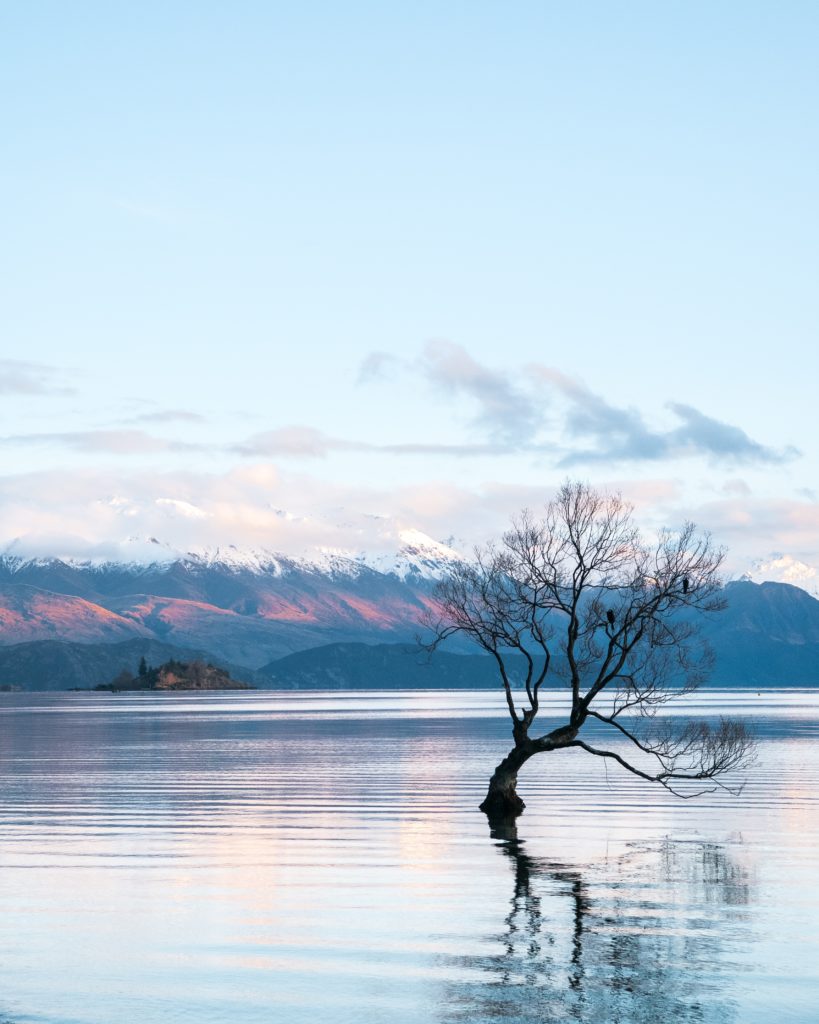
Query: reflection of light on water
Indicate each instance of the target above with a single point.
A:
(423, 844)
(629, 941)
(297, 857)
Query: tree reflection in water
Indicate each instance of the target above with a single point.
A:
(647, 941)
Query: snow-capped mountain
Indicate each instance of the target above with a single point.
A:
(246, 605)
(249, 607)
(409, 552)
(781, 568)
(417, 555)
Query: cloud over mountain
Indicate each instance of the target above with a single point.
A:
(542, 410)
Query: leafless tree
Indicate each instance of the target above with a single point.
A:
(580, 597)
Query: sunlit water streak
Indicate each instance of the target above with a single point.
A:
(293, 857)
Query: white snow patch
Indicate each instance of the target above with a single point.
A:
(781, 568)
(405, 553)
(182, 508)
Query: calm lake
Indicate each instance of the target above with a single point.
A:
(294, 857)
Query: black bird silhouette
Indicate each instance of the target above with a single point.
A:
(685, 584)
(610, 617)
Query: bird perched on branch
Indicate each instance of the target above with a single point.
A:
(610, 617)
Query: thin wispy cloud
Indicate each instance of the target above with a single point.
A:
(582, 427)
(507, 410)
(294, 442)
(376, 366)
(509, 418)
(721, 439)
(290, 442)
(457, 450)
(169, 416)
(621, 434)
(306, 442)
(110, 442)
(18, 377)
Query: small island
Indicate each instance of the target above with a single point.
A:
(174, 675)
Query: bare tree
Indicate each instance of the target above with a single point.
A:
(579, 595)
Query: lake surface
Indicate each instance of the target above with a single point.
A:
(272, 857)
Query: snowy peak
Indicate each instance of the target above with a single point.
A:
(417, 543)
(782, 568)
(420, 555)
(257, 561)
(407, 554)
(136, 553)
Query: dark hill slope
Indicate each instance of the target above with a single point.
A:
(351, 666)
(767, 636)
(60, 665)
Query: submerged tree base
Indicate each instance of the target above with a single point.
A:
(502, 803)
(502, 808)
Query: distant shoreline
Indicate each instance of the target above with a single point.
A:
(697, 696)
(150, 689)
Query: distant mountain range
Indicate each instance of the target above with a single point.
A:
(333, 622)
(247, 607)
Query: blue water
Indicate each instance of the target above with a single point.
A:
(293, 857)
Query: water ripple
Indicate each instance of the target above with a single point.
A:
(287, 857)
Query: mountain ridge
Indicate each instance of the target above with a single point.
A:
(416, 554)
(247, 619)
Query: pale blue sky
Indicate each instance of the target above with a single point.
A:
(224, 210)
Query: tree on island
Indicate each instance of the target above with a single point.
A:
(124, 680)
(175, 675)
(583, 599)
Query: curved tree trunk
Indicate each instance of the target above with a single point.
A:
(502, 802)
